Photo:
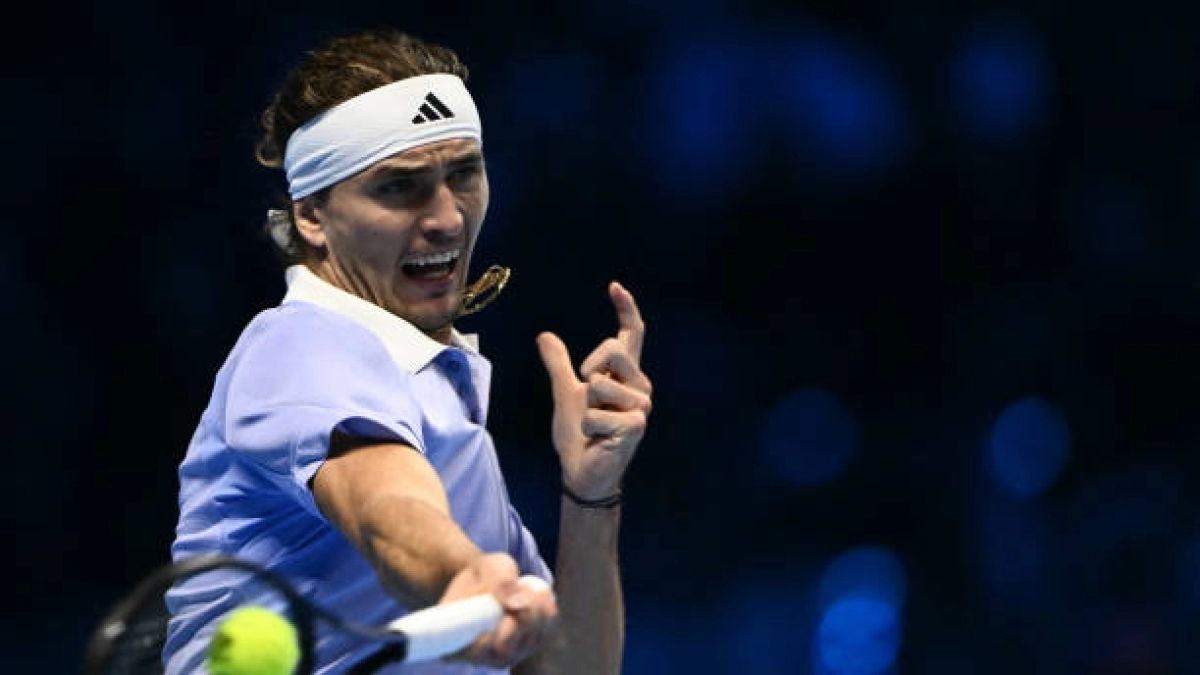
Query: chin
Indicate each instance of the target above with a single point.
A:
(429, 313)
(429, 319)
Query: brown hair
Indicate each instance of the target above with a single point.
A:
(339, 70)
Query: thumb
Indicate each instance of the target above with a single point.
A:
(557, 360)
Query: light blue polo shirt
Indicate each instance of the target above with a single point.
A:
(323, 360)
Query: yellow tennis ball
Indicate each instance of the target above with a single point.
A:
(254, 641)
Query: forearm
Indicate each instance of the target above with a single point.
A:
(390, 504)
(415, 549)
(590, 636)
(597, 425)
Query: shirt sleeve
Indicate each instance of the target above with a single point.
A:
(304, 374)
(523, 548)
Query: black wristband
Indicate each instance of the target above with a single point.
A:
(602, 503)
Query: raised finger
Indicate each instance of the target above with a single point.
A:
(612, 357)
(557, 361)
(631, 329)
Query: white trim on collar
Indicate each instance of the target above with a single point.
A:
(409, 347)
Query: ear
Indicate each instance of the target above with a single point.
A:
(307, 216)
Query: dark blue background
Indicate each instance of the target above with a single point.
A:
(919, 279)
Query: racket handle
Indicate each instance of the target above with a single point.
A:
(442, 630)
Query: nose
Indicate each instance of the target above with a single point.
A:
(442, 219)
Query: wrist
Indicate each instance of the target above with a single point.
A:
(606, 501)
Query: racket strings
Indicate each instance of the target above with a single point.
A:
(139, 640)
(132, 638)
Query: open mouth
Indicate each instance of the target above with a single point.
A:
(431, 267)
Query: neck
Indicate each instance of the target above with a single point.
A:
(442, 335)
(332, 275)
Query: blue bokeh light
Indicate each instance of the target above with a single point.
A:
(999, 79)
(808, 437)
(691, 120)
(1028, 447)
(858, 635)
(864, 570)
(861, 593)
(843, 108)
(716, 105)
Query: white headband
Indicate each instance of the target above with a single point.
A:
(355, 134)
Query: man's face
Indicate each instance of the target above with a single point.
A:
(400, 234)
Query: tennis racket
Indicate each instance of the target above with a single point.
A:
(130, 639)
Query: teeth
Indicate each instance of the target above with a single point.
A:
(435, 258)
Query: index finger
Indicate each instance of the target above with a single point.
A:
(632, 330)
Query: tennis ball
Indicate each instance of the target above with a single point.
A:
(254, 641)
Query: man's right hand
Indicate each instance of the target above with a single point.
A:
(530, 611)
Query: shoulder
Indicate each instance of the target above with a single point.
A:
(298, 333)
(304, 324)
(303, 318)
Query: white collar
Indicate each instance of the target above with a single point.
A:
(409, 347)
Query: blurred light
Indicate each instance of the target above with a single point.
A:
(861, 593)
(1028, 448)
(864, 570)
(808, 437)
(842, 106)
(998, 78)
(694, 120)
(715, 105)
(858, 635)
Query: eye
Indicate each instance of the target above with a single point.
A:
(464, 174)
(397, 186)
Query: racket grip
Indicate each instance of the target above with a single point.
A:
(442, 630)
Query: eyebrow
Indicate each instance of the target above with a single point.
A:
(465, 158)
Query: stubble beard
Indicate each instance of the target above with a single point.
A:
(431, 323)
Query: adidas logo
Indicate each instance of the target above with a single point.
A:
(432, 110)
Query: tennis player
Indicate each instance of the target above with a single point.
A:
(345, 443)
